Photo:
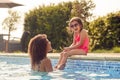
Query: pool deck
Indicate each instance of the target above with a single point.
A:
(89, 56)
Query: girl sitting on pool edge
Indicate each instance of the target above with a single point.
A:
(80, 43)
(38, 48)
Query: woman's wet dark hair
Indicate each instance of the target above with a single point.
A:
(37, 48)
(76, 19)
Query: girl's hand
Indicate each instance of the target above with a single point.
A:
(67, 49)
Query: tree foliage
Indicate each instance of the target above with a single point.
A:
(81, 8)
(105, 31)
(50, 20)
(10, 22)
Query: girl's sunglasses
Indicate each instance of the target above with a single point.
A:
(75, 25)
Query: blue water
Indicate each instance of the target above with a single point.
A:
(18, 68)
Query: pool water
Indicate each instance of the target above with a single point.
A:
(18, 68)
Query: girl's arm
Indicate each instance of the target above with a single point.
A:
(73, 43)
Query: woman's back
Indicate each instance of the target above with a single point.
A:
(43, 66)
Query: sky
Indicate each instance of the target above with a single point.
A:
(102, 8)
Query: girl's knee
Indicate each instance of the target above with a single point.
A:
(65, 54)
(61, 54)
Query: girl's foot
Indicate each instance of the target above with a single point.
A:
(55, 67)
(61, 67)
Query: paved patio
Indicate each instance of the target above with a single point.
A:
(90, 56)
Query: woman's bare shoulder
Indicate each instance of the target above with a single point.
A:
(46, 60)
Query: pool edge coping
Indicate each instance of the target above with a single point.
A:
(90, 56)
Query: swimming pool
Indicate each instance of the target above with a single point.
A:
(18, 68)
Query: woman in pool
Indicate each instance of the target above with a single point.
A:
(80, 42)
(38, 48)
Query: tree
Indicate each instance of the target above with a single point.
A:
(24, 40)
(82, 9)
(9, 24)
(51, 20)
(105, 31)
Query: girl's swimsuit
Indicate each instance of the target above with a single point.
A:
(85, 44)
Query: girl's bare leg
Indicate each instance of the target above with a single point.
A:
(63, 61)
(70, 53)
(59, 61)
